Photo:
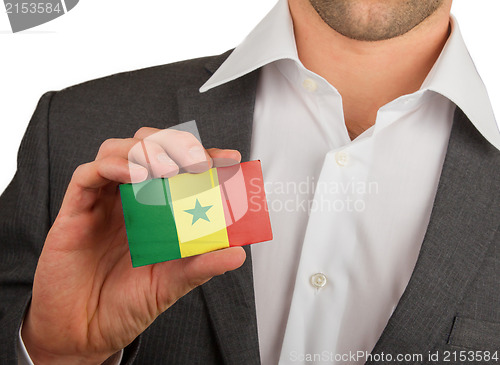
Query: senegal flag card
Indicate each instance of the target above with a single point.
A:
(191, 214)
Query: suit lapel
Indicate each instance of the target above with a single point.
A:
(224, 117)
(464, 219)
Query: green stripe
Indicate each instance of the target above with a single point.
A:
(166, 192)
(151, 232)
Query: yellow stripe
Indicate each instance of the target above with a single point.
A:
(200, 236)
(211, 177)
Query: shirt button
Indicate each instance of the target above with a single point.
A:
(318, 280)
(310, 85)
(342, 158)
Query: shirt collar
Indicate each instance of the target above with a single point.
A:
(453, 75)
(271, 40)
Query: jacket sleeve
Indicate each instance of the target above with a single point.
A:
(25, 220)
(24, 223)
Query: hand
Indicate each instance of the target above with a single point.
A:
(88, 302)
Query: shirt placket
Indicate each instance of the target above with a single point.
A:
(330, 239)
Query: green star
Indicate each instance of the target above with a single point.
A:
(199, 212)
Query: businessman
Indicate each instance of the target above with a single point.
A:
(399, 256)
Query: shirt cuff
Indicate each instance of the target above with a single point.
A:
(24, 359)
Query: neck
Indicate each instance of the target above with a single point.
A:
(368, 75)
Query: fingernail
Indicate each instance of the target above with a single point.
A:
(138, 173)
(197, 154)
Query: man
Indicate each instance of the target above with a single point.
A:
(379, 95)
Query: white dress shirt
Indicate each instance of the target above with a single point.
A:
(348, 217)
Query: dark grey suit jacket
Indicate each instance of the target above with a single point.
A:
(451, 303)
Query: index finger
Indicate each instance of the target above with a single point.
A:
(182, 147)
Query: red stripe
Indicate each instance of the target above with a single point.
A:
(244, 201)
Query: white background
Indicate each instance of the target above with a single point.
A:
(98, 38)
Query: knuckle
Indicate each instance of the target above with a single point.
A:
(106, 146)
(135, 145)
(80, 170)
(185, 135)
(143, 131)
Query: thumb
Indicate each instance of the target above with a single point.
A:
(196, 270)
(203, 267)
